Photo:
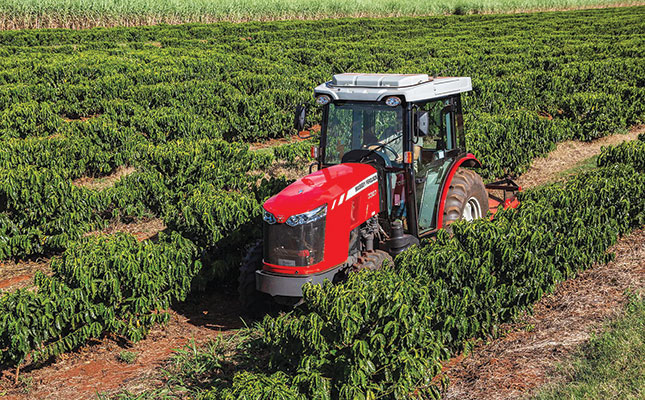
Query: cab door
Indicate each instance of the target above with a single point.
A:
(436, 148)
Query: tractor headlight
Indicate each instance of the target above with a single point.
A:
(307, 217)
(323, 99)
(268, 217)
(393, 101)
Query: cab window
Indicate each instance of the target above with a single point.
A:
(353, 126)
(437, 120)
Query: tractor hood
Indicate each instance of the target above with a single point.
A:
(321, 187)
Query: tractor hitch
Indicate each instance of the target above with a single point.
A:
(509, 189)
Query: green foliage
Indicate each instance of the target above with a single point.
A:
(100, 284)
(28, 119)
(42, 211)
(496, 139)
(610, 365)
(627, 152)
(172, 102)
(209, 215)
(386, 331)
(127, 357)
(292, 151)
(248, 386)
(532, 85)
(227, 166)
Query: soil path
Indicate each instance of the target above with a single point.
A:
(512, 366)
(567, 155)
(18, 275)
(104, 182)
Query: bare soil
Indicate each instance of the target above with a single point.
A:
(280, 141)
(513, 366)
(104, 181)
(19, 274)
(289, 171)
(96, 368)
(567, 155)
(145, 228)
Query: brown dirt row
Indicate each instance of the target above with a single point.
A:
(513, 366)
(145, 228)
(104, 182)
(568, 154)
(14, 22)
(278, 142)
(19, 274)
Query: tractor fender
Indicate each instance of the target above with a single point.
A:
(468, 160)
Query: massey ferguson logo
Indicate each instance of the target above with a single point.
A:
(362, 185)
(280, 218)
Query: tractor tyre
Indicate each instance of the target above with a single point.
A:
(467, 198)
(375, 260)
(254, 303)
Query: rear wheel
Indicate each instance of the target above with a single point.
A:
(254, 302)
(467, 198)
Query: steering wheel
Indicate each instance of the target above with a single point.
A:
(382, 146)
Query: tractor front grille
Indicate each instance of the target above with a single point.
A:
(294, 246)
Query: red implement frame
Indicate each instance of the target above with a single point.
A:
(509, 188)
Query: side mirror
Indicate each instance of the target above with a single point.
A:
(422, 123)
(300, 118)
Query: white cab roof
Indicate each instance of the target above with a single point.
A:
(375, 87)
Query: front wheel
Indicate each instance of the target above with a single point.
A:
(254, 302)
(467, 198)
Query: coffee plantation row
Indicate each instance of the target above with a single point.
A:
(527, 96)
(629, 152)
(176, 103)
(554, 75)
(112, 284)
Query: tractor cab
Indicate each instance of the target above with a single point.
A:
(392, 169)
(410, 126)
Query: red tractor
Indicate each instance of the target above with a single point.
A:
(392, 169)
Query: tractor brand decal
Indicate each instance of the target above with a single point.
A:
(371, 194)
(362, 185)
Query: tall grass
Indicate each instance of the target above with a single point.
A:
(17, 14)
